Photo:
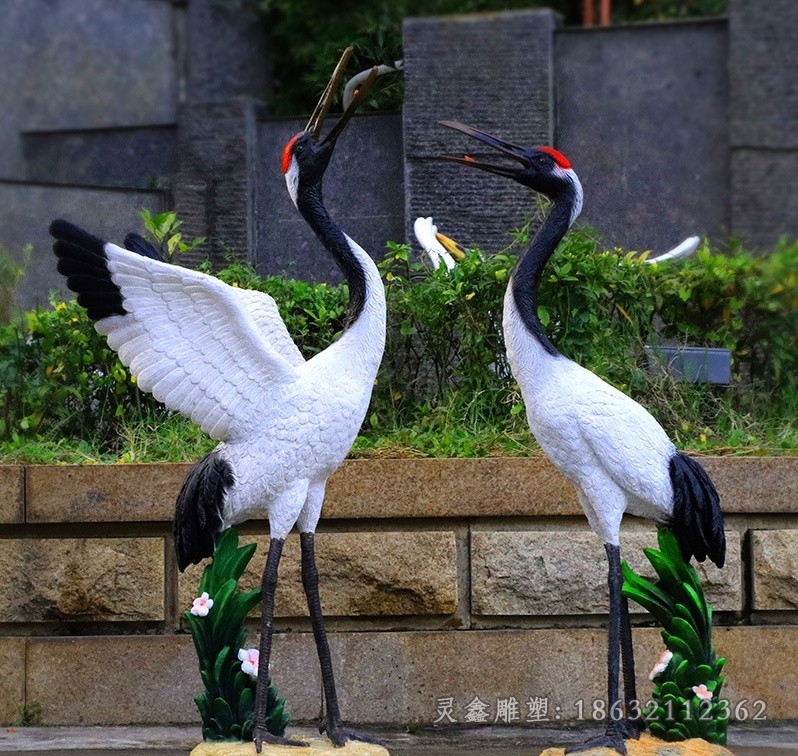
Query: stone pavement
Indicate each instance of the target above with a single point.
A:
(767, 740)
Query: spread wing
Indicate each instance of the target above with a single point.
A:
(190, 339)
(260, 307)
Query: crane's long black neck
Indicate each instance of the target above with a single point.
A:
(311, 205)
(526, 279)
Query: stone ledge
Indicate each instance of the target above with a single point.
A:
(775, 569)
(12, 494)
(82, 579)
(12, 678)
(527, 572)
(388, 678)
(391, 488)
(361, 574)
(129, 680)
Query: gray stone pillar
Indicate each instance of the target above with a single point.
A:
(226, 70)
(215, 186)
(763, 76)
(493, 71)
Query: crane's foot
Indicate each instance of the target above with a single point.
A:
(633, 727)
(612, 738)
(340, 735)
(261, 735)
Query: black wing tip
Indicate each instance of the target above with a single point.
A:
(63, 230)
(138, 244)
(697, 516)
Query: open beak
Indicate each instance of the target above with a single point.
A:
(506, 148)
(325, 101)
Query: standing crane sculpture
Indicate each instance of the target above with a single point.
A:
(223, 357)
(614, 452)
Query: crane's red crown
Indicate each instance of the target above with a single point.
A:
(287, 150)
(559, 158)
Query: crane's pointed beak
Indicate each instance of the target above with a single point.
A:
(325, 101)
(359, 96)
(322, 108)
(506, 148)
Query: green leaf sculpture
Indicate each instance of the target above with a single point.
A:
(217, 627)
(685, 702)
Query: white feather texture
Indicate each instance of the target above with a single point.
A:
(605, 443)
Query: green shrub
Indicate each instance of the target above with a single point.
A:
(444, 386)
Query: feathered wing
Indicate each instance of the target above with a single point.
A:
(187, 337)
(261, 308)
(628, 441)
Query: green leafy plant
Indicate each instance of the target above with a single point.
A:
(686, 697)
(217, 628)
(164, 229)
(11, 273)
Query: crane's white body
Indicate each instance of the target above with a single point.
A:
(606, 444)
(222, 356)
(613, 451)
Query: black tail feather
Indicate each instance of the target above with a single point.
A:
(697, 517)
(198, 513)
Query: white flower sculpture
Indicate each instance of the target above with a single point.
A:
(661, 665)
(202, 605)
(249, 658)
(702, 692)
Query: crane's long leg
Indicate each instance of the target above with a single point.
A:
(637, 724)
(613, 736)
(332, 724)
(259, 732)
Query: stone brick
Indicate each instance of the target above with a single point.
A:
(775, 569)
(12, 494)
(142, 157)
(215, 188)
(361, 574)
(565, 572)
(78, 579)
(130, 680)
(755, 484)
(486, 487)
(64, 63)
(103, 493)
(12, 679)
(493, 62)
(398, 678)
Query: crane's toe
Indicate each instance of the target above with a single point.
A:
(262, 735)
(340, 735)
(612, 738)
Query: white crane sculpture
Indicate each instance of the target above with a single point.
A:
(613, 451)
(222, 356)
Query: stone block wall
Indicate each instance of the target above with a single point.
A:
(440, 579)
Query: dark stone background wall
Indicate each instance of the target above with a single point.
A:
(642, 113)
(675, 129)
